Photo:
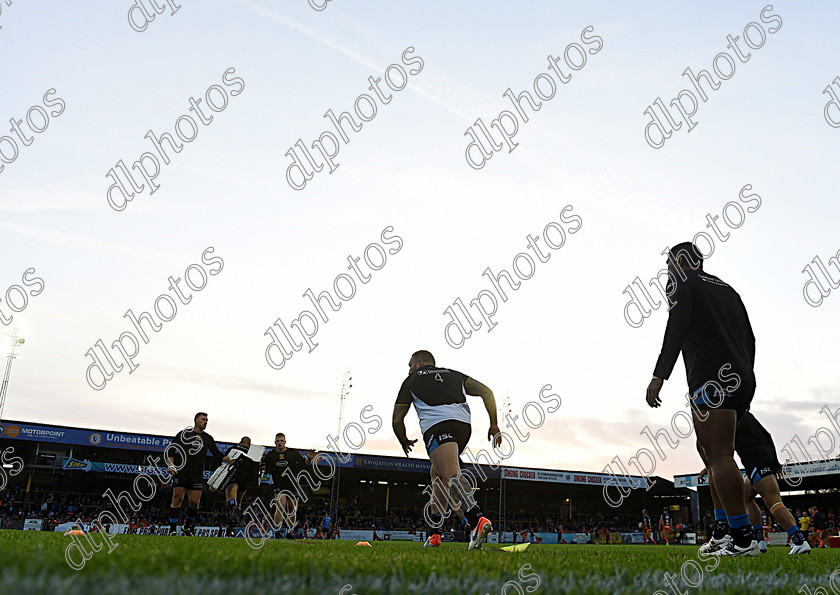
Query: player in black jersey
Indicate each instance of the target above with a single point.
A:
(440, 397)
(708, 323)
(665, 525)
(245, 475)
(287, 468)
(755, 447)
(186, 456)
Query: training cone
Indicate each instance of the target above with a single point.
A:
(75, 532)
(363, 543)
(516, 548)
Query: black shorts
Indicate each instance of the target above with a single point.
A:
(755, 447)
(191, 481)
(447, 431)
(714, 396)
(242, 481)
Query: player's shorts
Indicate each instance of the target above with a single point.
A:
(243, 480)
(714, 396)
(190, 481)
(287, 487)
(447, 431)
(756, 450)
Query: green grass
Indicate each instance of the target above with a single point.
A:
(33, 562)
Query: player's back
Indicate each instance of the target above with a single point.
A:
(720, 331)
(438, 394)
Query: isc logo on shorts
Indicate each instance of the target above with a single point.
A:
(445, 436)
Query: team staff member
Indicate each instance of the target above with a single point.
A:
(189, 448)
(708, 323)
(285, 466)
(440, 397)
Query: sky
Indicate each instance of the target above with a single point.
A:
(403, 182)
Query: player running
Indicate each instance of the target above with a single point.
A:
(245, 475)
(755, 447)
(287, 466)
(190, 447)
(440, 397)
(708, 323)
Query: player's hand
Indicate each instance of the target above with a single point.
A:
(311, 454)
(495, 434)
(171, 469)
(408, 446)
(702, 474)
(225, 459)
(653, 389)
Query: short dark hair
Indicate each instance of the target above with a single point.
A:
(424, 355)
(690, 252)
(197, 415)
(279, 434)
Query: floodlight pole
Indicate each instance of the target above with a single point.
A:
(14, 343)
(502, 487)
(334, 493)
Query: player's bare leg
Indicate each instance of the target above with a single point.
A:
(285, 512)
(768, 489)
(716, 434)
(175, 508)
(720, 535)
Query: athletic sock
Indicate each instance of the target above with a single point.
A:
(796, 535)
(742, 533)
(721, 529)
(472, 515)
(436, 524)
(174, 516)
(190, 521)
(758, 532)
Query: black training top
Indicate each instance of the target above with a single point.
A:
(709, 324)
(195, 446)
(438, 394)
(277, 462)
(245, 466)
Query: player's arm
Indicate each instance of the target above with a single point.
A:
(404, 401)
(398, 424)
(170, 460)
(475, 388)
(214, 451)
(679, 318)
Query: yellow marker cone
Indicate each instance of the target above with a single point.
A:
(516, 548)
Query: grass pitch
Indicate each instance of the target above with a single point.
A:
(34, 562)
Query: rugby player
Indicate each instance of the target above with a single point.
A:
(708, 323)
(244, 476)
(285, 466)
(190, 447)
(755, 447)
(646, 527)
(440, 397)
(818, 523)
(665, 525)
